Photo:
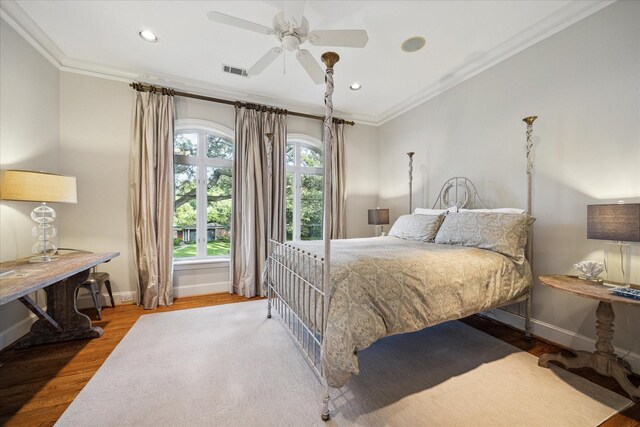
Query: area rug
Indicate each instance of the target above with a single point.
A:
(230, 366)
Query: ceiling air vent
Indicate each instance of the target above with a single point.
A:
(234, 70)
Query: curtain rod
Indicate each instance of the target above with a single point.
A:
(141, 87)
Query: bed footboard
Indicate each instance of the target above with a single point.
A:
(294, 289)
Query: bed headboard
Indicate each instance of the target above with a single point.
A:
(458, 191)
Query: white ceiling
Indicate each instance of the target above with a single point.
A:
(463, 38)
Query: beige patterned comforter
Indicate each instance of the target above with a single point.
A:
(384, 285)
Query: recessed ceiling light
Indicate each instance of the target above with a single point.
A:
(148, 36)
(355, 86)
(413, 44)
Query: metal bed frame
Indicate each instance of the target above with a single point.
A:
(298, 282)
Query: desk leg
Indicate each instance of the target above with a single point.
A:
(61, 306)
(603, 361)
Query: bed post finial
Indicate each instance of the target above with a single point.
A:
(529, 120)
(330, 59)
(529, 146)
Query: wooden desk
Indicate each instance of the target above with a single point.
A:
(603, 360)
(60, 279)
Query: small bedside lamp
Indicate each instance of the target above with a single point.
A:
(29, 186)
(379, 217)
(619, 223)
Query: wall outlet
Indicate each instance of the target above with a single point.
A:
(126, 297)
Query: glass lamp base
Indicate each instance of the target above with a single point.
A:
(617, 262)
(44, 249)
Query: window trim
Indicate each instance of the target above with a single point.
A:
(298, 140)
(202, 127)
(186, 124)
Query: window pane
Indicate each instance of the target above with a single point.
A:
(291, 155)
(311, 208)
(310, 157)
(289, 206)
(219, 147)
(218, 211)
(186, 144)
(184, 215)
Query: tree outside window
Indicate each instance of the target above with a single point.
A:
(304, 188)
(203, 161)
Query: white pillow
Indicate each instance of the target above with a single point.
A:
(425, 211)
(501, 210)
(417, 227)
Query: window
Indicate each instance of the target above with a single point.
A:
(304, 188)
(203, 162)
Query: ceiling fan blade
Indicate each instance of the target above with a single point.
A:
(293, 12)
(265, 61)
(237, 22)
(311, 66)
(339, 38)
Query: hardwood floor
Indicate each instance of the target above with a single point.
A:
(37, 384)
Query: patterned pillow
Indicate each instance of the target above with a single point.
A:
(416, 227)
(500, 232)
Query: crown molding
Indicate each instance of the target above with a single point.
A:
(22, 23)
(17, 18)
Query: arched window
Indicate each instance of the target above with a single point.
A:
(304, 188)
(203, 165)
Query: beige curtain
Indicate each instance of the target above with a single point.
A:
(250, 190)
(152, 197)
(338, 184)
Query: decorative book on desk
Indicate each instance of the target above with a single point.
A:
(627, 293)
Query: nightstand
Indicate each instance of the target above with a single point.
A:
(603, 360)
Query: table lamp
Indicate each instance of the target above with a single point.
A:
(618, 223)
(29, 186)
(379, 217)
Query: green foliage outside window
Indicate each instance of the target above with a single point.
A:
(218, 193)
(311, 191)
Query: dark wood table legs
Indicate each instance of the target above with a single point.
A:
(62, 321)
(603, 360)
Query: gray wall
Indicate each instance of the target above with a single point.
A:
(30, 139)
(584, 84)
(95, 135)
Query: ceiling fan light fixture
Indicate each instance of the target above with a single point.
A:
(148, 36)
(290, 42)
(413, 44)
(355, 86)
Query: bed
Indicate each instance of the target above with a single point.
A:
(338, 297)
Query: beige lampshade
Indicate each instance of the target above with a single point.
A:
(29, 186)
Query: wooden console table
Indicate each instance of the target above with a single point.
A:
(60, 279)
(603, 360)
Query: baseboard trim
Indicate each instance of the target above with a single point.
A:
(16, 331)
(120, 298)
(85, 300)
(561, 336)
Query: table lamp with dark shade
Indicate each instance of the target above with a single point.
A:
(618, 223)
(379, 217)
(43, 187)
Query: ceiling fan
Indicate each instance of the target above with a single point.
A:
(291, 28)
